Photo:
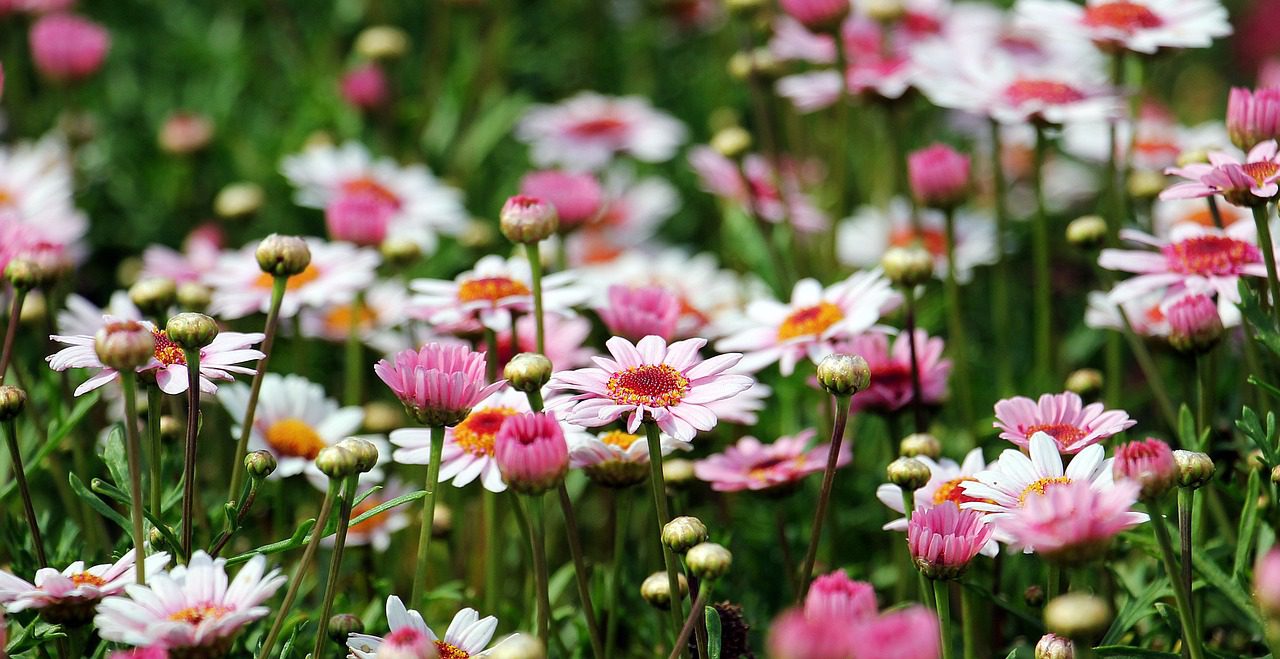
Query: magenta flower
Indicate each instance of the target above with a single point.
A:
(1253, 116)
(752, 465)
(794, 635)
(909, 633)
(636, 312)
(670, 385)
(1199, 259)
(531, 452)
(944, 538)
(1073, 522)
(365, 87)
(1064, 417)
(438, 384)
(578, 198)
(835, 596)
(68, 47)
(816, 13)
(1194, 322)
(1148, 463)
(891, 388)
(1249, 183)
(939, 176)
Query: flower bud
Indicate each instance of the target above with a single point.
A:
(124, 345)
(283, 256)
(156, 540)
(1149, 463)
(1052, 646)
(939, 176)
(336, 462)
(909, 474)
(364, 450)
(683, 532)
(527, 372)
(259, 464)
(184, 133)
(35, 310)
(1194, 323)
(708, 560)
(1146, 184)
(731, 142)
(343, 625)
(884, 11)
(1194, 468)
(400, 252)
(907, 266)
(656, 590)
(153, 295)
(844, 375)
(525, 219)
(364, 87)
(1078, 616)
(1087, 232)
(381, 42)
(531, 452)
(920, 444)
(1033, 596)
(1266, 583)
(381, 417)
(171, 428)
(1253, 116)
(518, 646)
(677, 472)
(236, 200)
(12, 400)
(1085, 381)
(740, 65)
(194, 296)
(23, 273)
(191, 331)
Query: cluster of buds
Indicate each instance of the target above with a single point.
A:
(656, 590)
(348, 457)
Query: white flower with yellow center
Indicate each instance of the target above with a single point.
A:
(468, 446)
(616, 458)
(336, 273)
(492, 290)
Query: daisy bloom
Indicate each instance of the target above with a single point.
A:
(807, 327)
(37, 199)
(199, 256)
(1142, 26)
(946, 479)
(368, 200)
(69, 596)
(337, 272)
(1197, 259)
(385, 306)
(863, 238)
(190, 608)
(588, 130)
(1251, 182)
(565, 343)
(577, 197)
(492, 290)
(891, 387)
(774, 468)
(794, 635)
(80, 316)
(634, 208)
(468, 634)
(1072, 523)
(669, 385)
(1145, 313)
(438, 384)
(943, 539)
(835, 596)
(636, 312)
(773, 196)
(294, 420)
(1063, 417)
(615, 458)
(169, 364)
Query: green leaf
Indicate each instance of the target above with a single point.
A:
(1269, 388)
(57, 433)
(713, 632)
(1248, 525)
(1135, 610)
(97, 504)
(113, 454)
(1131, 651)
(1187, 436)
(1249, 424)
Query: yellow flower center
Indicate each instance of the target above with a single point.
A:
(195, 615)
(490, 289)
(1040, 486)
(167, 352)
(476, 433)
(810, 321)
(450, 651)
(622, 440)
(294, 438)
(338, 320)
(310, 274)
(953, 492)
(86, 579)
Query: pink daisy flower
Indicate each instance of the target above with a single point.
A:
(650, 380)
(772, 196)
(1073, 425)
(199, 256)
(634, 313)
(810, 324)
(774, 468)
(1073, 522)
(190, 607)
(69, 596)
(633, 211)
(438, 384)
(891, 387)
(66, 47)
(492, 291)
(169, 365)
(835, 596)
(565, 343)
(946, 480)
(588, 130)
(794, 635)
(468, 446)
(468, 634)
(577, 197)
(1145, 313)
(1142, 26)
(912, 632)
(1253, 182)
(337, 272)
(944, 538)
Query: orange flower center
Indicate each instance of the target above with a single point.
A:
(1042, 91)
(371, 188)
(953, 492)
(1065, 433)
(167, 352)
(195, 615)
(450, 651)
(310, 274)
(1126, 16)
(651, 385)
(294, 438)
(932, 240)
(810, 321)
(338, 320)
(1039, 487)
(1260, 171)
(490, 289)
(86, 579)
(761, 470)
(622, 440)
(476, 433)
(6, 197)
(1210, 255)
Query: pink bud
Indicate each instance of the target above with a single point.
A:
(634, 313)
(185, 132)
(1266, 583)
(531, 452)
(1149, 463)
(365, 87)
(939, 176)
(68, 47)
(578, 198)
(526, 219)
(1194, 323)
(407, 643)
(837, 597)
(361, 214)
(817, 14)
(1253, 116)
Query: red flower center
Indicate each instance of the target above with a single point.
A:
(1125, 16)
(1261, 170)
(367, 187)
(810, 321)
(953, 492)
(1065, 433)
(651, 385)
(892, 375)
(490, 289)
(932, 240)
(167, 352)
(599, 127)
(1049, 92)
(86, 579)
(450, 651)
(476, 433)
(1210, 255)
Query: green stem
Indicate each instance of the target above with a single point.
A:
(999, 280)
(154, 402)
(133, 448)
(955, 328)
(1053, 585)
(691, 623)
(1043, 293)
(246, 425)
(491, 359)
(19, 473)
(824, 497)
(189, 451)
(908, 507)
(1214, 212)
(11, 331)
(428, 515)
(335, 562)
(1190, 634)
(493, 553)
(580, 569)
(538, 541)
(970, 625)
(353, 370)
(917, 391)
(659, 486)
(1204, 394)
(300, 570)
(1186, 504)
(1149, 371)
(942, 598)
(1260, 220)
(620, 523)
(535, 273)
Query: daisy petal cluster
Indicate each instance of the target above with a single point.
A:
(775, 467)
(70, 596)
(1072, 523)
(1064, 417)
(468, 635)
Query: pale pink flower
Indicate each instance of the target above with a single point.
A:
(790, 40)
(636, 312)
(565, 343)
(891, 387)
(169, 365)
(1266, 581)
(493, 290)
(634, 208)
(816, 13)
(774, 467)
(1196, 259)
(773, 196)
(185, 132)
(587, 131)
(1064, 417)
(1148, 463)
(37, 200)
(468, 634)
(835, 596)
(1072, 522)
(939, 176)
(578, 197)
(794, 635)
(908, 633)
(531, 452)
(1253, 116)
(1142, 26)
(191, 606)
(68, 47)
(946, 479)
(80, 316)
(468, 446)
(863, 238)
(438, 384)
(1251, 182)
(365, 87)
(944, 538)
(338, 271)
(70, 596)
(811, 323)
(199, 256)
(670, 385)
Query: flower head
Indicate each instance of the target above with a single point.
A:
(944, 538)
(1253, 116)
(365, 87)
(68, 47)
(1149, 463)
(817, 14)
(1253, 182)
(1073, 425)
(891, 386)
(1142, 26)
(908, 633)
(775, 467)
(795, 635)
(577, 198)
(587, 131)
(616, 458)
(1193, 259)
(531, 452)
(70, 596)
(1194, 323)
(492, 292)
(468, 634)
(469, 445)
(835, 596)
(939, 176)
(336, 273)
(946, 481)
(1073, 522)
(634, 313)
(438, 384)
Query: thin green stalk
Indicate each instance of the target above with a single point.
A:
(1186, 504)
(535, 273)
(659, 486)
(1214, 212)
(1000, 278)
(1149, 371)
(353, 369)
(335, 562)
(824, 497)
(1204, 395)
(189, 451)
(580, 570)
(154, 401)
(1042, 286)
(908, 507)
(1190, 633)
(955, 329)
(278, 287)
(133, 448)
(971, 626)
(917, 391)
(538, 542)
(11, 331)
(1260, 220)
(621, 518)
(493, 550)
(1053, 585)
(300, 571)
(942, 598)
(19, 473)
(491, 358)
(428, 515)
(691, 623)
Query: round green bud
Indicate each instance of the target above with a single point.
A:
(656, 590)
(683, 532)
(237, 200)
(909, 474)
(844, 375)
(1146, 184)
(12, 402)
(1088, 232)
(1078, 616)
(708, 560)
(364, 450)
(23, 273)
(336, 462)
(731, 142)
(1085, 381)
(343, 625)
(124, 345)
(283, 256)
(527, 372)
(1194, 468)
(907, 266)
(191, 331)
(259, 464)
(400, 252)
(526, 220)
(381, 42)
(153, 295)
(920, 444)
(194, 296)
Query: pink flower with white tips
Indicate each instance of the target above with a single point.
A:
(191, 607)
(37, 200)
(1064, 417)
(752, 465)
(438, 384)
(809, 325)
(587, 131)
(946, 480)
(890, 361)
(1251, 182)
(336, 273)
(468, 634)
(1142, 26)
(944, 538)
(672, 385)
(494, 289)
(1072, 523)
(70, 596)
(218, 360)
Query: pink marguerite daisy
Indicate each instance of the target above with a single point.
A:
(750, 464)
(945, 485)
(891, 386)
(943, 539)
(468, 634)
(1251, 182)
(835, 596)
(1072, 522)
(70, 596)
(438, 384)
(616, 458)
(494, 290)
(863, 238)
(1142, 26)
(588, 130)
(912, 632)
(199, 256)
(1073, 425)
